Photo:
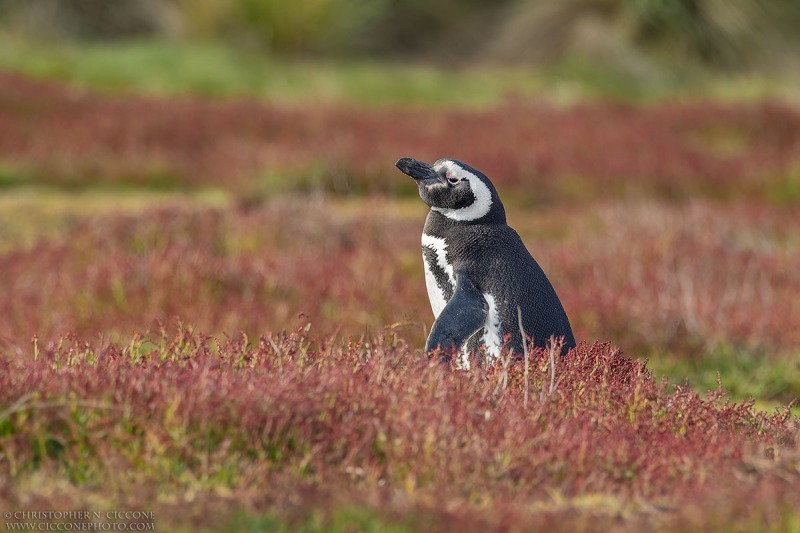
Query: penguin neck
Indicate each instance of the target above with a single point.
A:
(438, 224)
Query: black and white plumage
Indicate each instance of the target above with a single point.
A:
(477, 270)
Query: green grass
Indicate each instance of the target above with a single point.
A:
(214, 69)
(161, 67)
(786, 189)
(344, 519)
(772, 381)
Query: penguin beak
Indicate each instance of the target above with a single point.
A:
(419, 170)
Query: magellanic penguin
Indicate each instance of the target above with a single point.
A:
(477, 270)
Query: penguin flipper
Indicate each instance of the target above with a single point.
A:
(463, 315)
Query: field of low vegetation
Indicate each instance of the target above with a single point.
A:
(213, 303)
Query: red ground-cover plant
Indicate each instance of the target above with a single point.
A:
(74, 137)
(653, 278)
(226, 271)
(684, 277)
(291, 421)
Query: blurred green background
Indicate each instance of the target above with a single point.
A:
(338, 49)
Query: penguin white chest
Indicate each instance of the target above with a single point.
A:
(439, 278)
(492, 336)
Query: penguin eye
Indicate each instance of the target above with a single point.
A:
(453, 180)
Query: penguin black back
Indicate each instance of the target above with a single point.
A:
(477, 269)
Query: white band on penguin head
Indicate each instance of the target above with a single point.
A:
(483, 196)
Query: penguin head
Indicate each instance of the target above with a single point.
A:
(456, 190)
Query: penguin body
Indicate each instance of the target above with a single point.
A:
(478, 272)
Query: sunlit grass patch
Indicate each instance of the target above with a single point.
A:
(32, 213)
(158, 67)
(14, 175)
(771, 378)
(785, 190)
